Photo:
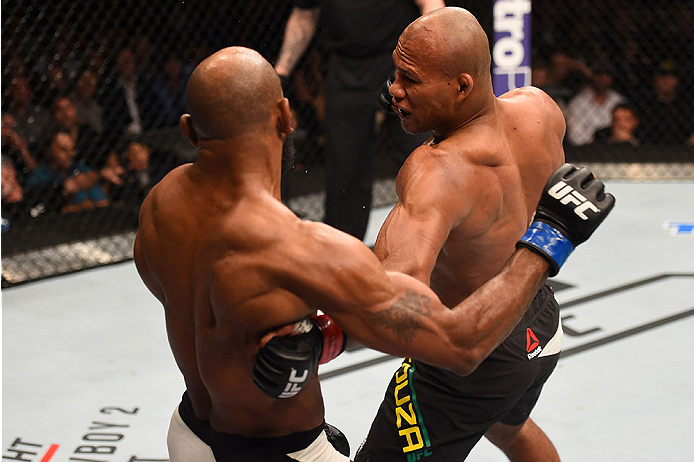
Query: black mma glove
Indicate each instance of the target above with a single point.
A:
(384, 99)
(284, 365)
(572, 206)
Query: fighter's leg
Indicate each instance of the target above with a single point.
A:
(525, 442)
(419, 419)
(516, 434)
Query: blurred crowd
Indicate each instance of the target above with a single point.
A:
(72, 126)
(621, 71)
(74, 112)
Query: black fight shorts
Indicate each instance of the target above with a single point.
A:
(192, 440)
(430, 414)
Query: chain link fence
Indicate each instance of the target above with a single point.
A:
(77, 162)
(622, 72)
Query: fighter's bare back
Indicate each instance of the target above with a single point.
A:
(483, 183)
(206, 258)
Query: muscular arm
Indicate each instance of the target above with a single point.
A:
(397, 314)
(298, 33)
(415, 230)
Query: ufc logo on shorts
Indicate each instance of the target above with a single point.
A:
(293, 387)
(566, 194)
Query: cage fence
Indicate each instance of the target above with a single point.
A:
(76, 165)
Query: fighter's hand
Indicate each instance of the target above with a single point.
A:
(572, 206)
(285, 363)
(384, 99)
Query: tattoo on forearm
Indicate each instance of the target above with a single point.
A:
(403, 316)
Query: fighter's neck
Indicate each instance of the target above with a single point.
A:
(241, 164)
(475, 112)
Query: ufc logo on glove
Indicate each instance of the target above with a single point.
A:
(566, 194)
(294, 384)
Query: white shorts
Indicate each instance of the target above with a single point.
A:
(185, 446)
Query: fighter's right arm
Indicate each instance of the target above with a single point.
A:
(300, 28)
(393, 313)
(397, 314)
(431, 203)
(400, 315)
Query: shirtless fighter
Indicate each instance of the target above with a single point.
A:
(485, 168)
(231, 265)
(465, 198)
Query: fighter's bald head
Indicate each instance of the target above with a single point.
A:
(234, 91)
(454, 39)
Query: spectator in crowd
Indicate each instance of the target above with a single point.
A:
(88, 144)
(668, 111)
(170, 89)
(18, 202)
(591, 109)
(95, 55)
(145, 60)
(15, 147)
(64, 182)
(32, 121)
(632, 68)
(88, 108)
(128, 99)
(60, 51)
(131, 183)
(13, 63)
(57, 80)
(560, 77)
(363, 37)
(12, 192)
(623, 130)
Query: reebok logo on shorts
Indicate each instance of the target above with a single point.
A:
(532, 344)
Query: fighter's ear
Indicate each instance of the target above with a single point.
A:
(186, 124)
(465, 85)
(285, 119)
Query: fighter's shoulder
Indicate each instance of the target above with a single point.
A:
(157, 198)
(530, 103)
(532, 97)
(421, 167)
(167, 183)
(435, 173)
(527, 91)
(426, 160)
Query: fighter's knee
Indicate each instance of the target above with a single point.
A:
(502, 435)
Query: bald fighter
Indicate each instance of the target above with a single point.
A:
(465, 198)
(232, 265)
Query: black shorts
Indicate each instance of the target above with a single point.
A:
(227, 448)
(431, 414)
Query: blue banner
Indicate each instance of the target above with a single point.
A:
(511, 47)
